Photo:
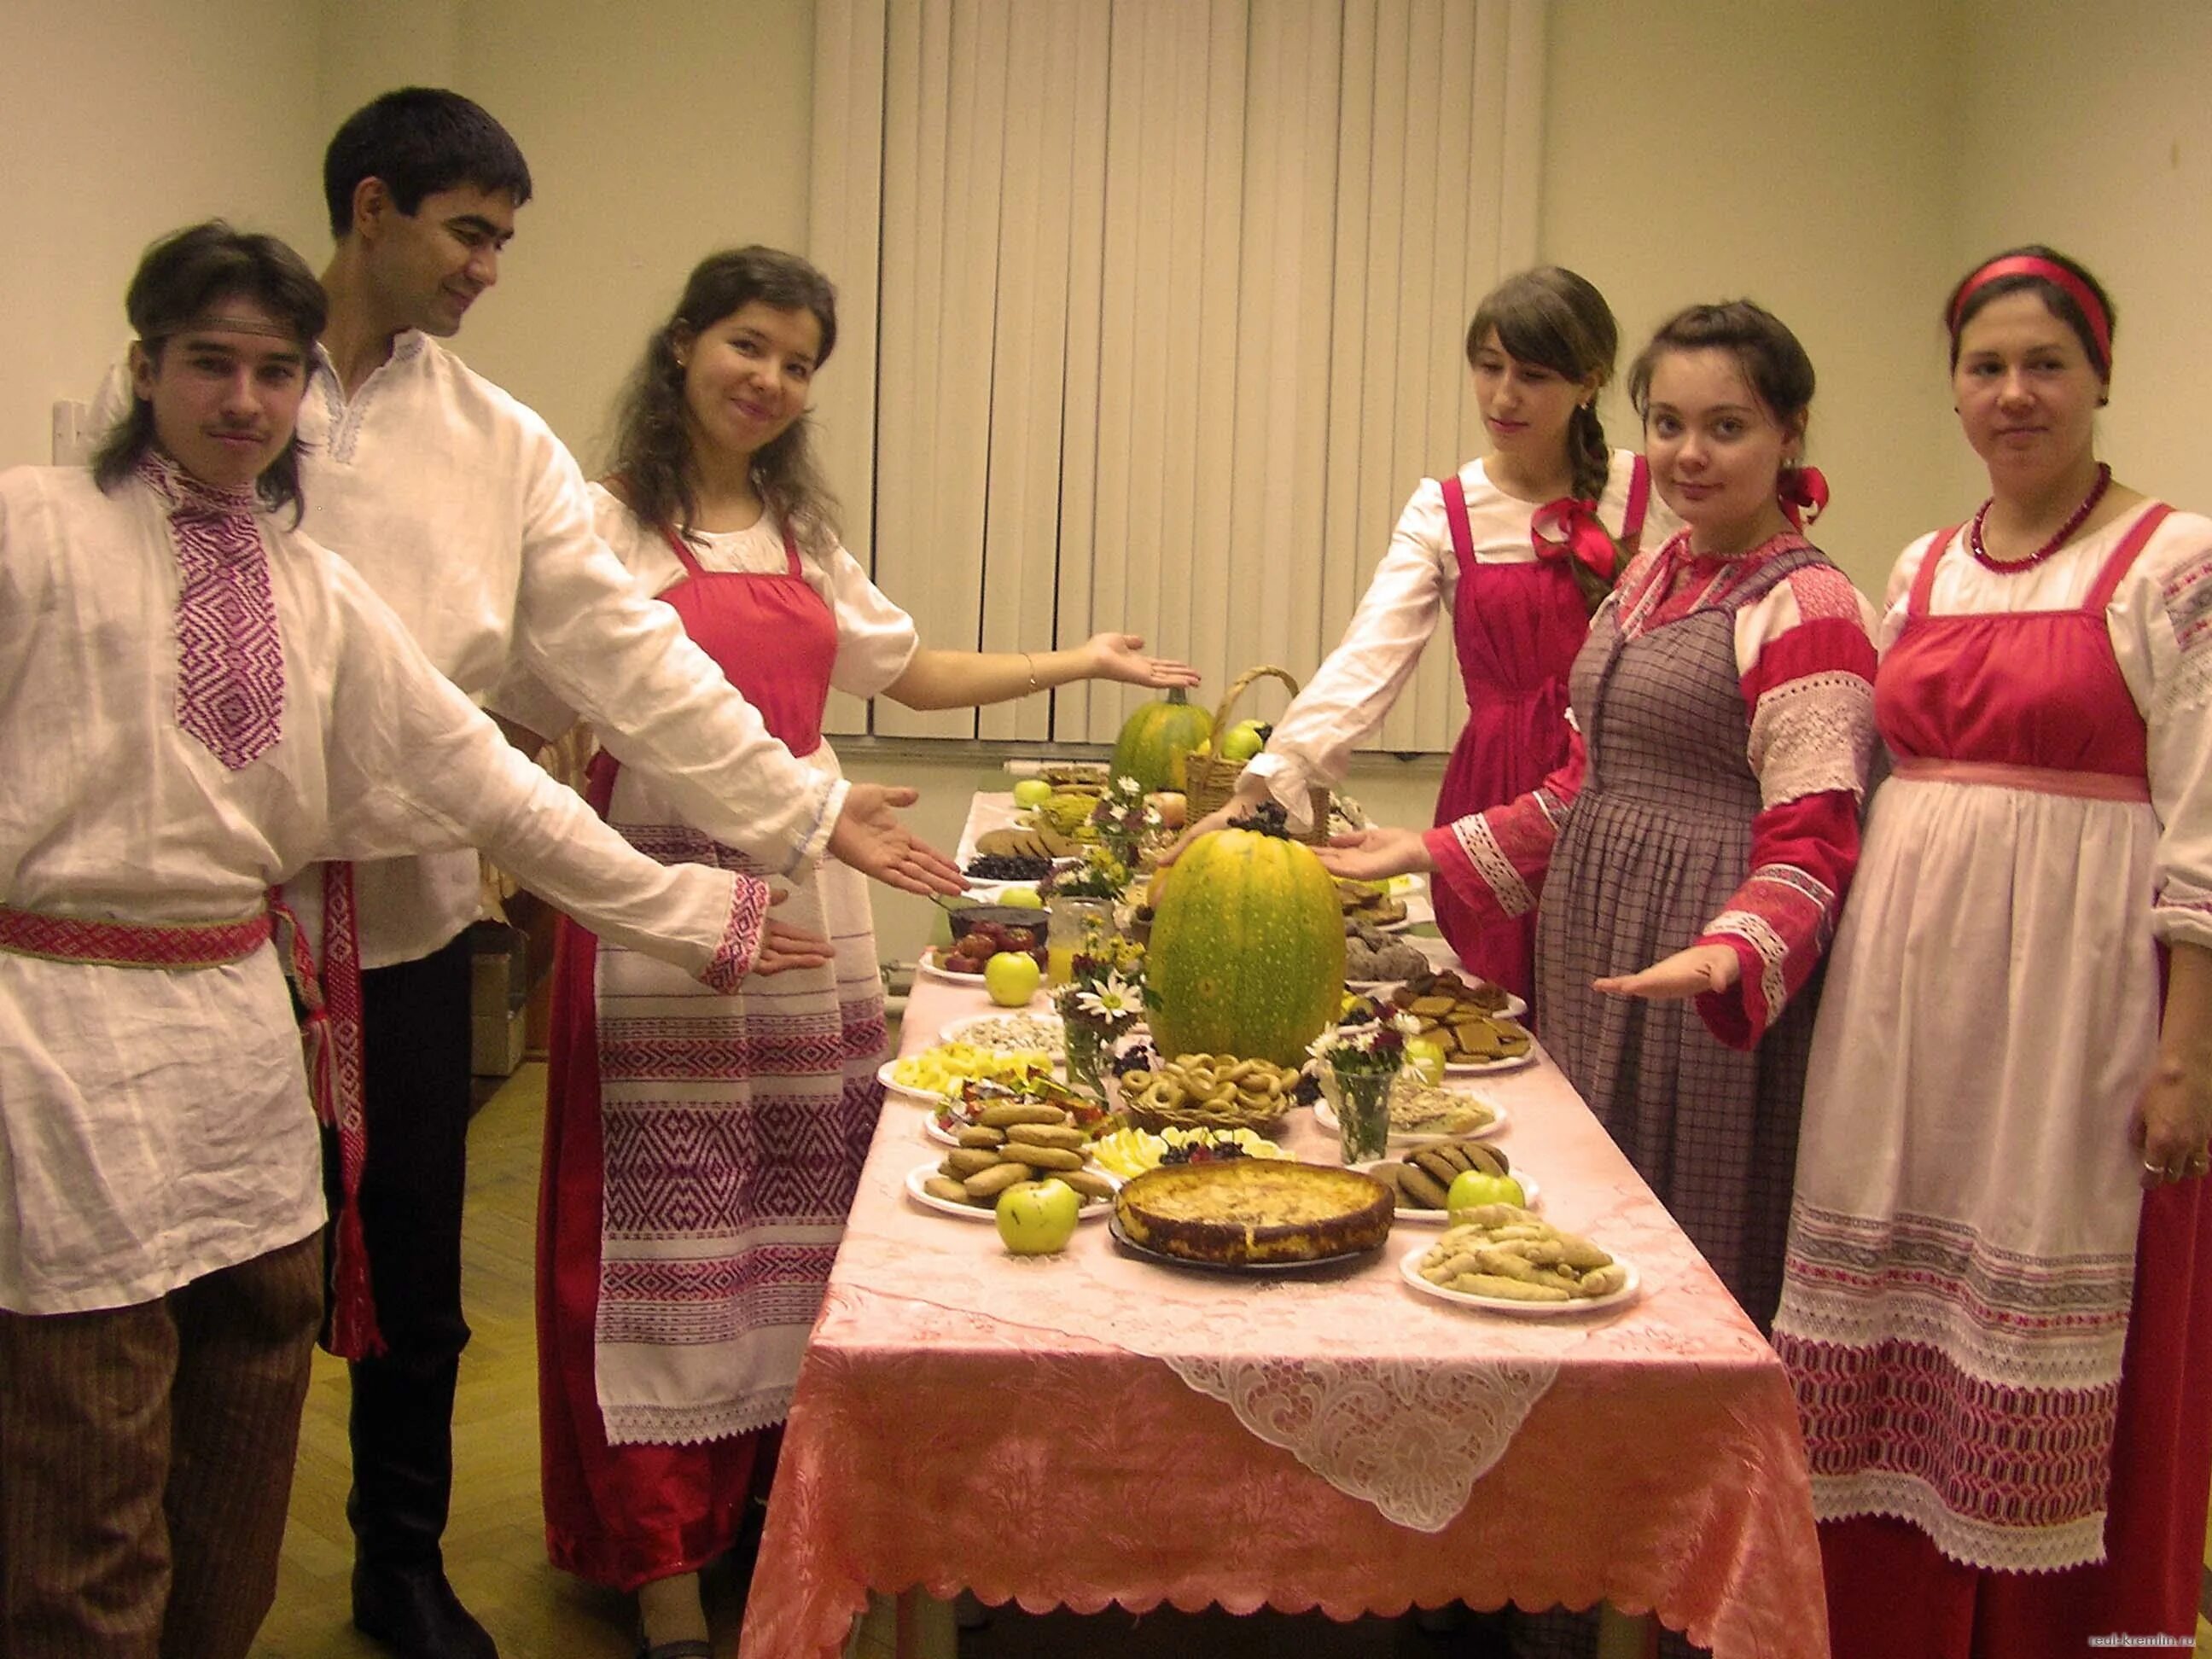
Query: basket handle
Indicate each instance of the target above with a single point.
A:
(1242, 683)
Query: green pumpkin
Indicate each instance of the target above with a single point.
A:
(1154, 740)
(1247, 951)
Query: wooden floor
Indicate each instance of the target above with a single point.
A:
(494, 1545)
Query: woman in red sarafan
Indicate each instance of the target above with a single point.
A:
(1994, 1312)
(1519, 546)
(700, 1156)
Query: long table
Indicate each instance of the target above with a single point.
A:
(1089, 1429)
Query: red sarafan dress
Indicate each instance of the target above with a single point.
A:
(2001, 1345)
(701, 1153)
(1517, 620)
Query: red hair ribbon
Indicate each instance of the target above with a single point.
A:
(1804, 495)
(1569, 528)
(2049, 270)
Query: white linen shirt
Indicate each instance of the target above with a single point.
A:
(2160, 622)
(1416, 583)
(154, 1125)
(470, 519)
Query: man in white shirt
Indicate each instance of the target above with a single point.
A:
(195, 702)
(469, 518)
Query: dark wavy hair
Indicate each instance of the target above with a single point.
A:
(1551, 317)
(1774, 364)
(652, 465)
(2061, 303)
(178, 280)
(419, 140)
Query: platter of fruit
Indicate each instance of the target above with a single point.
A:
(1502, 1258)
(1431, 1183)
(929, 1076)
(984, 931)
(1126, 1152)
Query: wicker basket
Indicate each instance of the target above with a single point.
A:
(1209, 780)
(1195, 1115)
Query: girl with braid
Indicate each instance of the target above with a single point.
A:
(1519, 546)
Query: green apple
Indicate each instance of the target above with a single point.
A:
(1037, 1218)
(1021, 898)
(1472, 1188)
(1244, 740)
(1425, 1058)
(1012, 978)
(1032, 791)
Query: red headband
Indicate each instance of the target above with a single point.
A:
(2049, 270)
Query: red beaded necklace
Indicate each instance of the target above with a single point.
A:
(2075, 520)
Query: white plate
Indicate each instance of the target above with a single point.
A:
(1485, 1067)
(956, 1031)
(904, 1090)
(1409, 1269)
(1325, 1115)
(1092, 1210)
(928, 968)
(1530, 1191)
(1514, 1008)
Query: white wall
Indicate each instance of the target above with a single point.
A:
(2089, 129)
(656, 133)
(1798, 153)
(119, 121)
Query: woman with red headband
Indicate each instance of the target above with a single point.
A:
(1991, 1311)
(1519, 546)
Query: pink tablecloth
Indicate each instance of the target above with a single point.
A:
(1086, 1429)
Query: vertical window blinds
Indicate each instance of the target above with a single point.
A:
(1151, 315)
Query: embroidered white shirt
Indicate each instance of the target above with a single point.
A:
(154, 1125)
(1414, 586)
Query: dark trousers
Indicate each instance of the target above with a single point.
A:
(146, 1461)
(416, 1044)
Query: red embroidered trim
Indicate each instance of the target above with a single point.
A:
(741, 939)
(330, 1029)
(1993, 1452)
(230, 656)
(130, 944)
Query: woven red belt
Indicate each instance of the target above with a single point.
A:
(329, 1026)
(131, 944)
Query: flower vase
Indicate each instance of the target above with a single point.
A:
(1086, 1041)
(1363, 1111)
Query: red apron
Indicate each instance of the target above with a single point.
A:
(621, 1514)
(1516, 628)
(1948, 707)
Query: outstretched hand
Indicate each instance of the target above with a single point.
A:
(1689, 973)
(1121, 657)
(1221, 818)
(869, 837)
(1373, 855)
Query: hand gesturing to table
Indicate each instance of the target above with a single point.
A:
(869, 838)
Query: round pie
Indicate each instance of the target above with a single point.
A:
(1250, 1211)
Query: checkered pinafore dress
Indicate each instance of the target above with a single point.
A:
(1651, 850)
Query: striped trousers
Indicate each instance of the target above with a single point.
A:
(146, 1462)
